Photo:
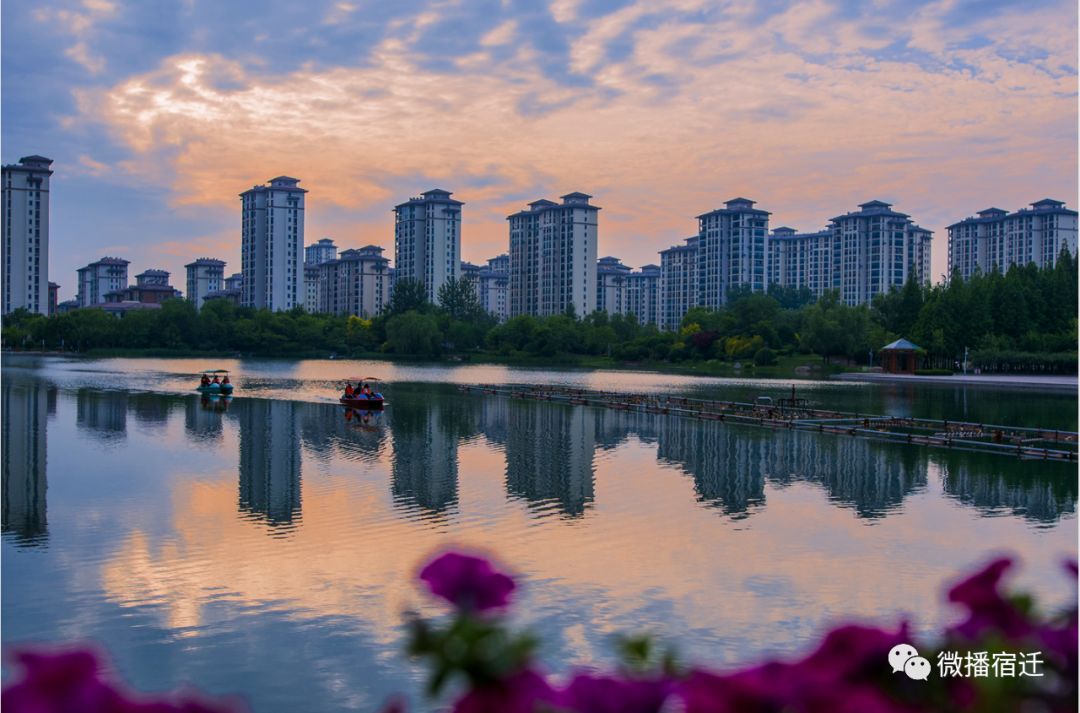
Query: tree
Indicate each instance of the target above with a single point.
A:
(413, 333)
(408, 295)
(460, 301)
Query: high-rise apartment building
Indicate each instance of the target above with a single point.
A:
(810, 260)
(319, 252)
(733, 246)
(612, 286)
(879, 249)
(24, 212)
(493, 287)
(271, 250)
(995, 239)
(553, 257)
(357, 283)
(427, 240)
(678, 282)
(204, 276)
(99, 278)
(643, 294)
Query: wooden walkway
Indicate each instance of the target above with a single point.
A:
(796, 413)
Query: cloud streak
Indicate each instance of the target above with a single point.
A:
(660, 112)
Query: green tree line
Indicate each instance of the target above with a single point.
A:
(1022, 320)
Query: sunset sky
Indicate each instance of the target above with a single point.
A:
(158, 114)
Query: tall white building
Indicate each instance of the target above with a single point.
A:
(678, 283)
(204, 276)
(320, 252)
(357, 283)
(493, 287)
(553, 257)
(810, 260)
(612, 286)
(100, 278)
(643, 296)
(24, 212)
(427, 240)
(879, 249)
(271, 250)
(996, 239)
(733, 246)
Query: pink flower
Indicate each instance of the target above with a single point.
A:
(987, 609)
(607, 694)
(469, 583)
(71, 682)
(524, 692)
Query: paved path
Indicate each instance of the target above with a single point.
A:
(1017, 381)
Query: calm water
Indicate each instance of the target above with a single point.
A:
(270, 548)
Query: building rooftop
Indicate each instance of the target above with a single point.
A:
(153, 272)
(901, 344)
(31, 163)
(108, 261)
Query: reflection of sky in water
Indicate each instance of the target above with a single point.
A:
(227, 543)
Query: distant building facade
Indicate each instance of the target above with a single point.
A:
(553, 257)
(99, 278)
(995, 239)
(879, 249)
(311, 287)
(643, 294)
(612, 286)
(54, 292)
(810, 260)
(151, 287)
(204, 276)
(427, 240)
(272, 242)
(319, 252)
(25, 217)
(493, 287)
(357, 283)
(732, 251)
(234, 281)
(678, 283)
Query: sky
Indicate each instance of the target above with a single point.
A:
(158, 114)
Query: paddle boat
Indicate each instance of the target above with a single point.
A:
(374, 402)
(212, 388)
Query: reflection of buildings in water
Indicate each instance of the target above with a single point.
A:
(614, 427)
(494, 418)
(269, 459)
(150, 409)
(102, 414)
(1042, 492)
(549, 454)
(327, 429)
(425, 431)
(729, 465)
(25, 411)
(201, 421)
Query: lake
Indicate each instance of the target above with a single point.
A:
(269, 546)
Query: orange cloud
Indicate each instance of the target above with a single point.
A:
(694, 115)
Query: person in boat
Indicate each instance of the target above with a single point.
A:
(205, 381)
(365, 390)
(349, 393)
(216, 380)
(225, 380)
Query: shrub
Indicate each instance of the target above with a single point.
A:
(765, 357)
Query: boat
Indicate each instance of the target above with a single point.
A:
(212, 389)
(375, 402)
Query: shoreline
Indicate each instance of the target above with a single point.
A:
(1060, 384)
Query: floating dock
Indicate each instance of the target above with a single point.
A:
(797, 413)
